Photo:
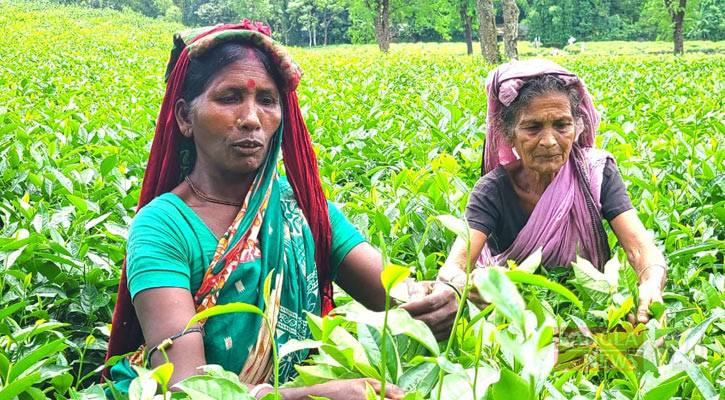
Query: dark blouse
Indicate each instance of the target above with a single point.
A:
(494, 208)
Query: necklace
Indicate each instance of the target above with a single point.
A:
(208, 198)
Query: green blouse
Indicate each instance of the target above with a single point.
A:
(170, 246)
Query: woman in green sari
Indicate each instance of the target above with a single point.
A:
(215, 219)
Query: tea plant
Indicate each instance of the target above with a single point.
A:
(399, 139)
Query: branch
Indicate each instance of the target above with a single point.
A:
(670, 9)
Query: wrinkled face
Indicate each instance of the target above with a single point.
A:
(234, 119)
(544, 132)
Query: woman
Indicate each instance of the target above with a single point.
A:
(215, 220)
(546, 186)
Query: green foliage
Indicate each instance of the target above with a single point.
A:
(399, 139)
(322, 22)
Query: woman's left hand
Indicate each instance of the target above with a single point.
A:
(435, 304)
(650, 291)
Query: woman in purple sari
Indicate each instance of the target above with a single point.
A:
(546, 186)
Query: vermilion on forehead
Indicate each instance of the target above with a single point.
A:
(251, 84)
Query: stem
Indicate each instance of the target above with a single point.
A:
(479, 346)
(274, 357)
(462, 303)
(419, 247)
(383, 359)
(80, 366)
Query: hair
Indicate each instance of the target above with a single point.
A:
(202, 71)
(534, 87)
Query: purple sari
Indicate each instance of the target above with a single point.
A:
(567, 219)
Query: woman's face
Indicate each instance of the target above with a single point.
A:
(234, 119)
(544, 132)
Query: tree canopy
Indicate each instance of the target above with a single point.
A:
(553, 22)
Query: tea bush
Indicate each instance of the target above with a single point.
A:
(399, 139)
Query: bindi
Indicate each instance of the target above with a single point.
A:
(251, 84)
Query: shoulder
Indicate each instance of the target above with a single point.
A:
(289, 202)
(159, 212)
(492, 181)
(598, 157)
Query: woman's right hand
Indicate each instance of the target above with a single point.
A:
(342, 389)
(459, 280)
(354, 389)
(454, 269)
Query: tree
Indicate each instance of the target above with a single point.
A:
(467, 20)
(511, 29)
(303, 12)
(708, 21)
(280, 22)
(215, 12)
(677, 15)
(253, 10)
(487, 30)
(381, 22)
(328, 10)
(553, 21)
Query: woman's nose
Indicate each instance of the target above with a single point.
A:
(248, 115)
(548, 139)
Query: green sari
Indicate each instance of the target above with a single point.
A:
(270, 236)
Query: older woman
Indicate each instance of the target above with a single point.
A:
(215, 219)
(546, 186)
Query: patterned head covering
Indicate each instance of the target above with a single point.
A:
(502, 88)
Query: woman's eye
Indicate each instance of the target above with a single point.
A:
(229, 99)
(268, 101)
(563, 125)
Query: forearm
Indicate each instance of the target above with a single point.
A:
(648, 262)
(297, 393)
(646, 259)
(359, 276)
(462, 254)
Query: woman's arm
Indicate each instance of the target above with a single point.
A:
(359, 275)
(454, 269)
(646, 259)
(164, 312)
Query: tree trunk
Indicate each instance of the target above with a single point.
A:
(309, 34)
(677, 15)
(511, 29)
(327, 25)
(285, 23)
(467, 29)
(382, 23)
(487, 30)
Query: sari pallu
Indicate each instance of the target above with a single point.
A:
(567, 219)
(277, 241)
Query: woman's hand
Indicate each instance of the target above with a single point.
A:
(354, 389)
(650, 291)
(343, 389)
(457, 278)
(435, 304)
(646, 259)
